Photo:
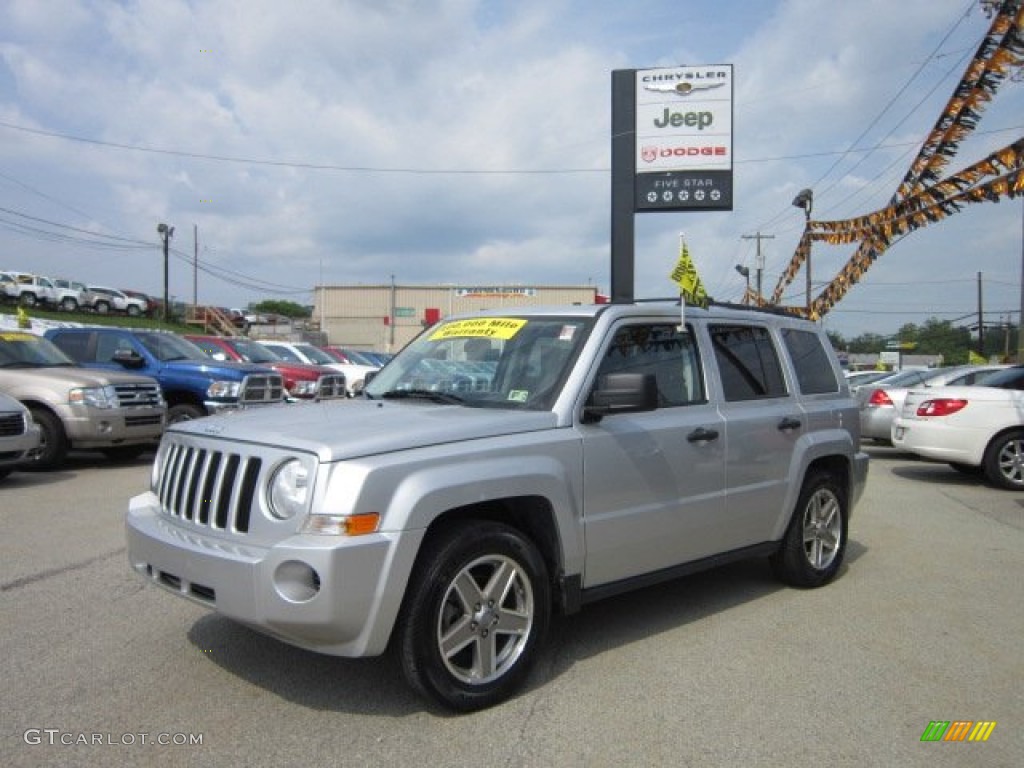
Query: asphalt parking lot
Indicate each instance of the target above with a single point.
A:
(724, 668)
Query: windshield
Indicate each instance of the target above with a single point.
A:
(25, 350)
(167, 346)
(252, 352)
(316, 355)
(496, 362)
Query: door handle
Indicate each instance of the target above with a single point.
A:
(702, 435)
(789, 423)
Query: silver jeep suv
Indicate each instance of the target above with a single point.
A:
(505, 466)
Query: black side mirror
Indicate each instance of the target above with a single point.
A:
(622, 393)
(129, 358)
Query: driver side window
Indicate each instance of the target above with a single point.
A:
(665, 352)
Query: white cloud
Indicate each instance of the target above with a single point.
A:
(457, 139)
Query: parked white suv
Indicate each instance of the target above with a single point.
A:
(34, 290)
(503, 467)
(103, 300)
(71, 295)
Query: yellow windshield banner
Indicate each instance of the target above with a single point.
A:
(685, 276)
(483, 327)
(16, 336)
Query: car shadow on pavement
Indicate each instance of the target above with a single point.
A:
(375, 686)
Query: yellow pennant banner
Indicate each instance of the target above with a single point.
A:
(685, 276)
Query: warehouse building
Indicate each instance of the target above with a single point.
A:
(387, 317)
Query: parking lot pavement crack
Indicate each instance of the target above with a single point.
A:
(24, 581)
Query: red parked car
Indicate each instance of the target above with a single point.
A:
(301, 380)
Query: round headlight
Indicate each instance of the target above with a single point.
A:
(289, 490)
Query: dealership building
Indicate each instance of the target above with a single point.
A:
(386, 317)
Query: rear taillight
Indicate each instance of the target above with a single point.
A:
(942, 406)
(879, 397)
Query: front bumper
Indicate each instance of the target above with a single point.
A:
(15, 449)
(89, 427)
(325, 593)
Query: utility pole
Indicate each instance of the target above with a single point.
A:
(760, 262)
(195, 266)
(981, 321)
(166, 233)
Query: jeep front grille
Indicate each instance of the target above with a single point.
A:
(208, 488)
(331, 386)
(262, 388)
(12, 424)
(137, 395)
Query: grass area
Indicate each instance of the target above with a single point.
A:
(91, 318)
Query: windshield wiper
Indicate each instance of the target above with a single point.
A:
(423, 394)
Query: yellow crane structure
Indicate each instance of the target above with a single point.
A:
(924, 196)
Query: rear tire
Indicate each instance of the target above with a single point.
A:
(53, 443)
(812, 550)
(101, 308)
(133, 310)
(1004, 461)
(474, 616)
(29, 300)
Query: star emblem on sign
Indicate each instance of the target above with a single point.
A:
(683, 89)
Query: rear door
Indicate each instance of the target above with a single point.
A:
(763, 422)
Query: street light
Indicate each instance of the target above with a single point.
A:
(805, 200)
(745, 271)
(167, 233)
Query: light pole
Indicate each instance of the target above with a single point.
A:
(805, 200)
(745, 271)
(166, 233)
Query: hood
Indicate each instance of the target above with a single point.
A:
(349, 429)
(72, 376)
(213, 367)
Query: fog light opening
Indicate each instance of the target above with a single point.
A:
(296, 582)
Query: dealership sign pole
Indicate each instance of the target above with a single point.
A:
(671, 151)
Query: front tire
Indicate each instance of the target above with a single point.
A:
(69, 305)
(1004, 461)
(184, 412)
(53, 444)
(475, 614)
(812, 550)
(101, 308)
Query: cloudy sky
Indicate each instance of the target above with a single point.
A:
(468, 142)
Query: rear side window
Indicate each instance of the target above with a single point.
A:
(74, 345)
(814, 373)
(747, 362)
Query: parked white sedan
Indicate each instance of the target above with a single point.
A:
(979, 428)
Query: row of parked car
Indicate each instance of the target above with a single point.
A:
(116, 389)
(971, 417)
(31, 290)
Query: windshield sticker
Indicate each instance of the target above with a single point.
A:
(567, 332)
(484, 327)
(16, 336)
(519, 395)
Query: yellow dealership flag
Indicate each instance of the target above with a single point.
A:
(974, 358)
(685, 276)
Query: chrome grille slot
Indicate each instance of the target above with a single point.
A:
(137, 395)
(12, 424)
(209, 488)
(331, 386)
(262, 388)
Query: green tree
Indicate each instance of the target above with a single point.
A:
(279, 307)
